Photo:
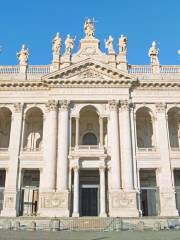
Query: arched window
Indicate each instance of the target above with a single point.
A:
(33, 130)
(144, 128)
(174, 127)
(5, 127)
(89, 139)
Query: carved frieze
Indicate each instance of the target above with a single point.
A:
(54, 200)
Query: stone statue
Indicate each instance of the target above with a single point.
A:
(69, 45)
(109, 45)
(153, 54)
(23, 55)
(89, 28)
(123, 44)
(57, 43)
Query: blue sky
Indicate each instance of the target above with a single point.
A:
(35, 22)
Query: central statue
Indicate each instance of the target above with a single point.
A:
(89, 28)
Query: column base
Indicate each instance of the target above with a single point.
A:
(123, 204)
(75, 215)
(54, 204)
(167, 203)
(103, 215)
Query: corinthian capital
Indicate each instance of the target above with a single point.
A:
(113, 105)
(124, 105)
(160, 107)
(51, 105)
(64, 104)
(18, 107)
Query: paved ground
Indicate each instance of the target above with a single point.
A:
(151, 235)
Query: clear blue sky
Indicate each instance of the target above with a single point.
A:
(35, 22)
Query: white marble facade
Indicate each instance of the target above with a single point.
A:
(89, 134)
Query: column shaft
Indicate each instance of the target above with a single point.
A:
(47, 182)
(63, 130)
(11, 185)
(76, 193)
(102, 193)
(77, 132)
(167, 194)
(115, 158)
(126, 147)
(101, 130)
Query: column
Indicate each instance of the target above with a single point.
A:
(76, 193)
(126, 146)
(101, 130)
(11, 194)
(115, 158)
(63, 131)
(48, 180)
(167, 193)
(77, 131)
(102, 192)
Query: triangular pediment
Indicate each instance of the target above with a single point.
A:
(89, 71)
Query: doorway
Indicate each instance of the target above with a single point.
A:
(89, 193)
(149, 194)
(89, 200)
(29, 193)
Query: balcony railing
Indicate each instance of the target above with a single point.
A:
(3, 149)
(31, 149)
(85, 147)
(175, 149)
(151, 149)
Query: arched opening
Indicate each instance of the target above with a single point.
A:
(33, 130)
(89, 126)
(5, 127)
(174, 127)
(89, 139)
(144, 128)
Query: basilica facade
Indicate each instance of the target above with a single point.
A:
(89, 134)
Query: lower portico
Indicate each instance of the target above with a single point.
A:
(89, 187)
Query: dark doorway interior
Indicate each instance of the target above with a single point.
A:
(89, 193)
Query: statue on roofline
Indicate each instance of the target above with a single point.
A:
(69, 45)
(153, 54)
(123, 44)
(89, 28)
(109, 45)
(23, 55)
(57, 43)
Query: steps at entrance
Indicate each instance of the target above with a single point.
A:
(89, 223)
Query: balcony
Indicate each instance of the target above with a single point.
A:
(87, 150)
